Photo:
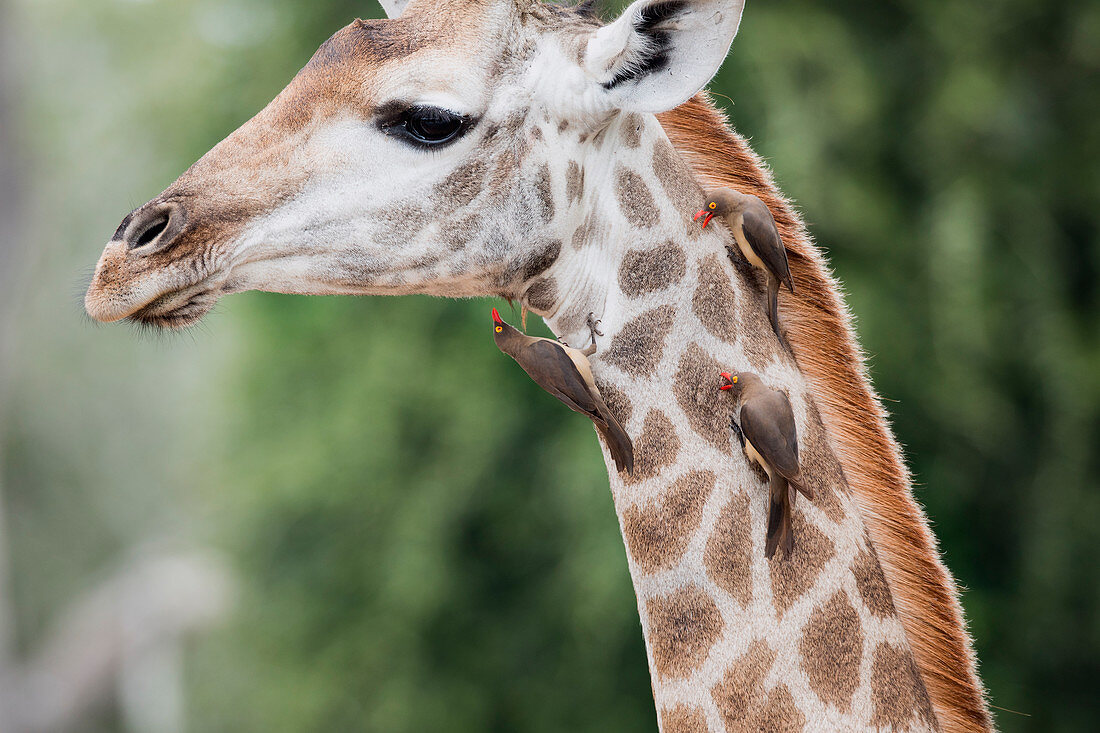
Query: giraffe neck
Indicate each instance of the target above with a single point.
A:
(734, 641)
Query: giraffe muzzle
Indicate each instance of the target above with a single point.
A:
(137, 276)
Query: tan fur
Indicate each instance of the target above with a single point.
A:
(820, 333)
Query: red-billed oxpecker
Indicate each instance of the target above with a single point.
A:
(565, 373)
(770, 439)
(753, 228)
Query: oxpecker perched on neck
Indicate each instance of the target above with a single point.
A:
(757, 236)
(770, 439)
(565, 373)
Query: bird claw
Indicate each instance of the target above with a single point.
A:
(592, 324)
(737, 431)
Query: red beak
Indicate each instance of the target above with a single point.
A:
(729, 379)
(496, 316)
(706, 221)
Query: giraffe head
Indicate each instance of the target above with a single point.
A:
(417, 154)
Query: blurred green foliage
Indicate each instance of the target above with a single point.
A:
(426, 541)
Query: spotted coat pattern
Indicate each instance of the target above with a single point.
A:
(736, 642)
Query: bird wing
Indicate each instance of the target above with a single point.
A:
(552, 369)
(759, 229)
(768, 423)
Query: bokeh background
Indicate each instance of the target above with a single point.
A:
(355, 514)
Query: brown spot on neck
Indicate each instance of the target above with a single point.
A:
(647, 270)
(655, 448)
(780, 714)
(679, 185)
(631, 129)
(593, 226)
(542, 296)
(728, 557)
(831, 648)
(683, 719)
(696, 389)
(580, 235)
(871, 583)
(792, 577)
(658, 532)
(683, 626)
(757, 338)
(574, 182)
(635, 200)
(714, 302)
(897, 692)
(545, 191)
(638, 347)
(619, 404)
(740, 695)
(821, 471)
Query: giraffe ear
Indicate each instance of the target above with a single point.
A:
(661, 52)
(393, 8)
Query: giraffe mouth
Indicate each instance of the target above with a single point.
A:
(177, 309)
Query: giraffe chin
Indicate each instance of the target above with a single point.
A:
(176, 310)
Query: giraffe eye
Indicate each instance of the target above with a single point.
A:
(426, 126)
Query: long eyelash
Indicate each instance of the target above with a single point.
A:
(391, 117)
(391, 112)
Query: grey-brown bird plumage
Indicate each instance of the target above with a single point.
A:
(770, 439)
(753, 228)
(565, 373)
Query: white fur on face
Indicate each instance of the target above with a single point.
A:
(370, 218)
(338, 224)
(557, 82)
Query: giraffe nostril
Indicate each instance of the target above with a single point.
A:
(152, 228)
(151, 232)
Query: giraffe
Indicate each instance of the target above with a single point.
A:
(513, 148)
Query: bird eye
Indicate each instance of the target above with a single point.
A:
(499, 329)
(713, 205)
(426, 126)
(734, 380)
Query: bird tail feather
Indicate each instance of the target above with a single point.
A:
(780, 533)
(773, 304)
(618, 442)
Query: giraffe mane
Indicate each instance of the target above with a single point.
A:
(820, 333)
